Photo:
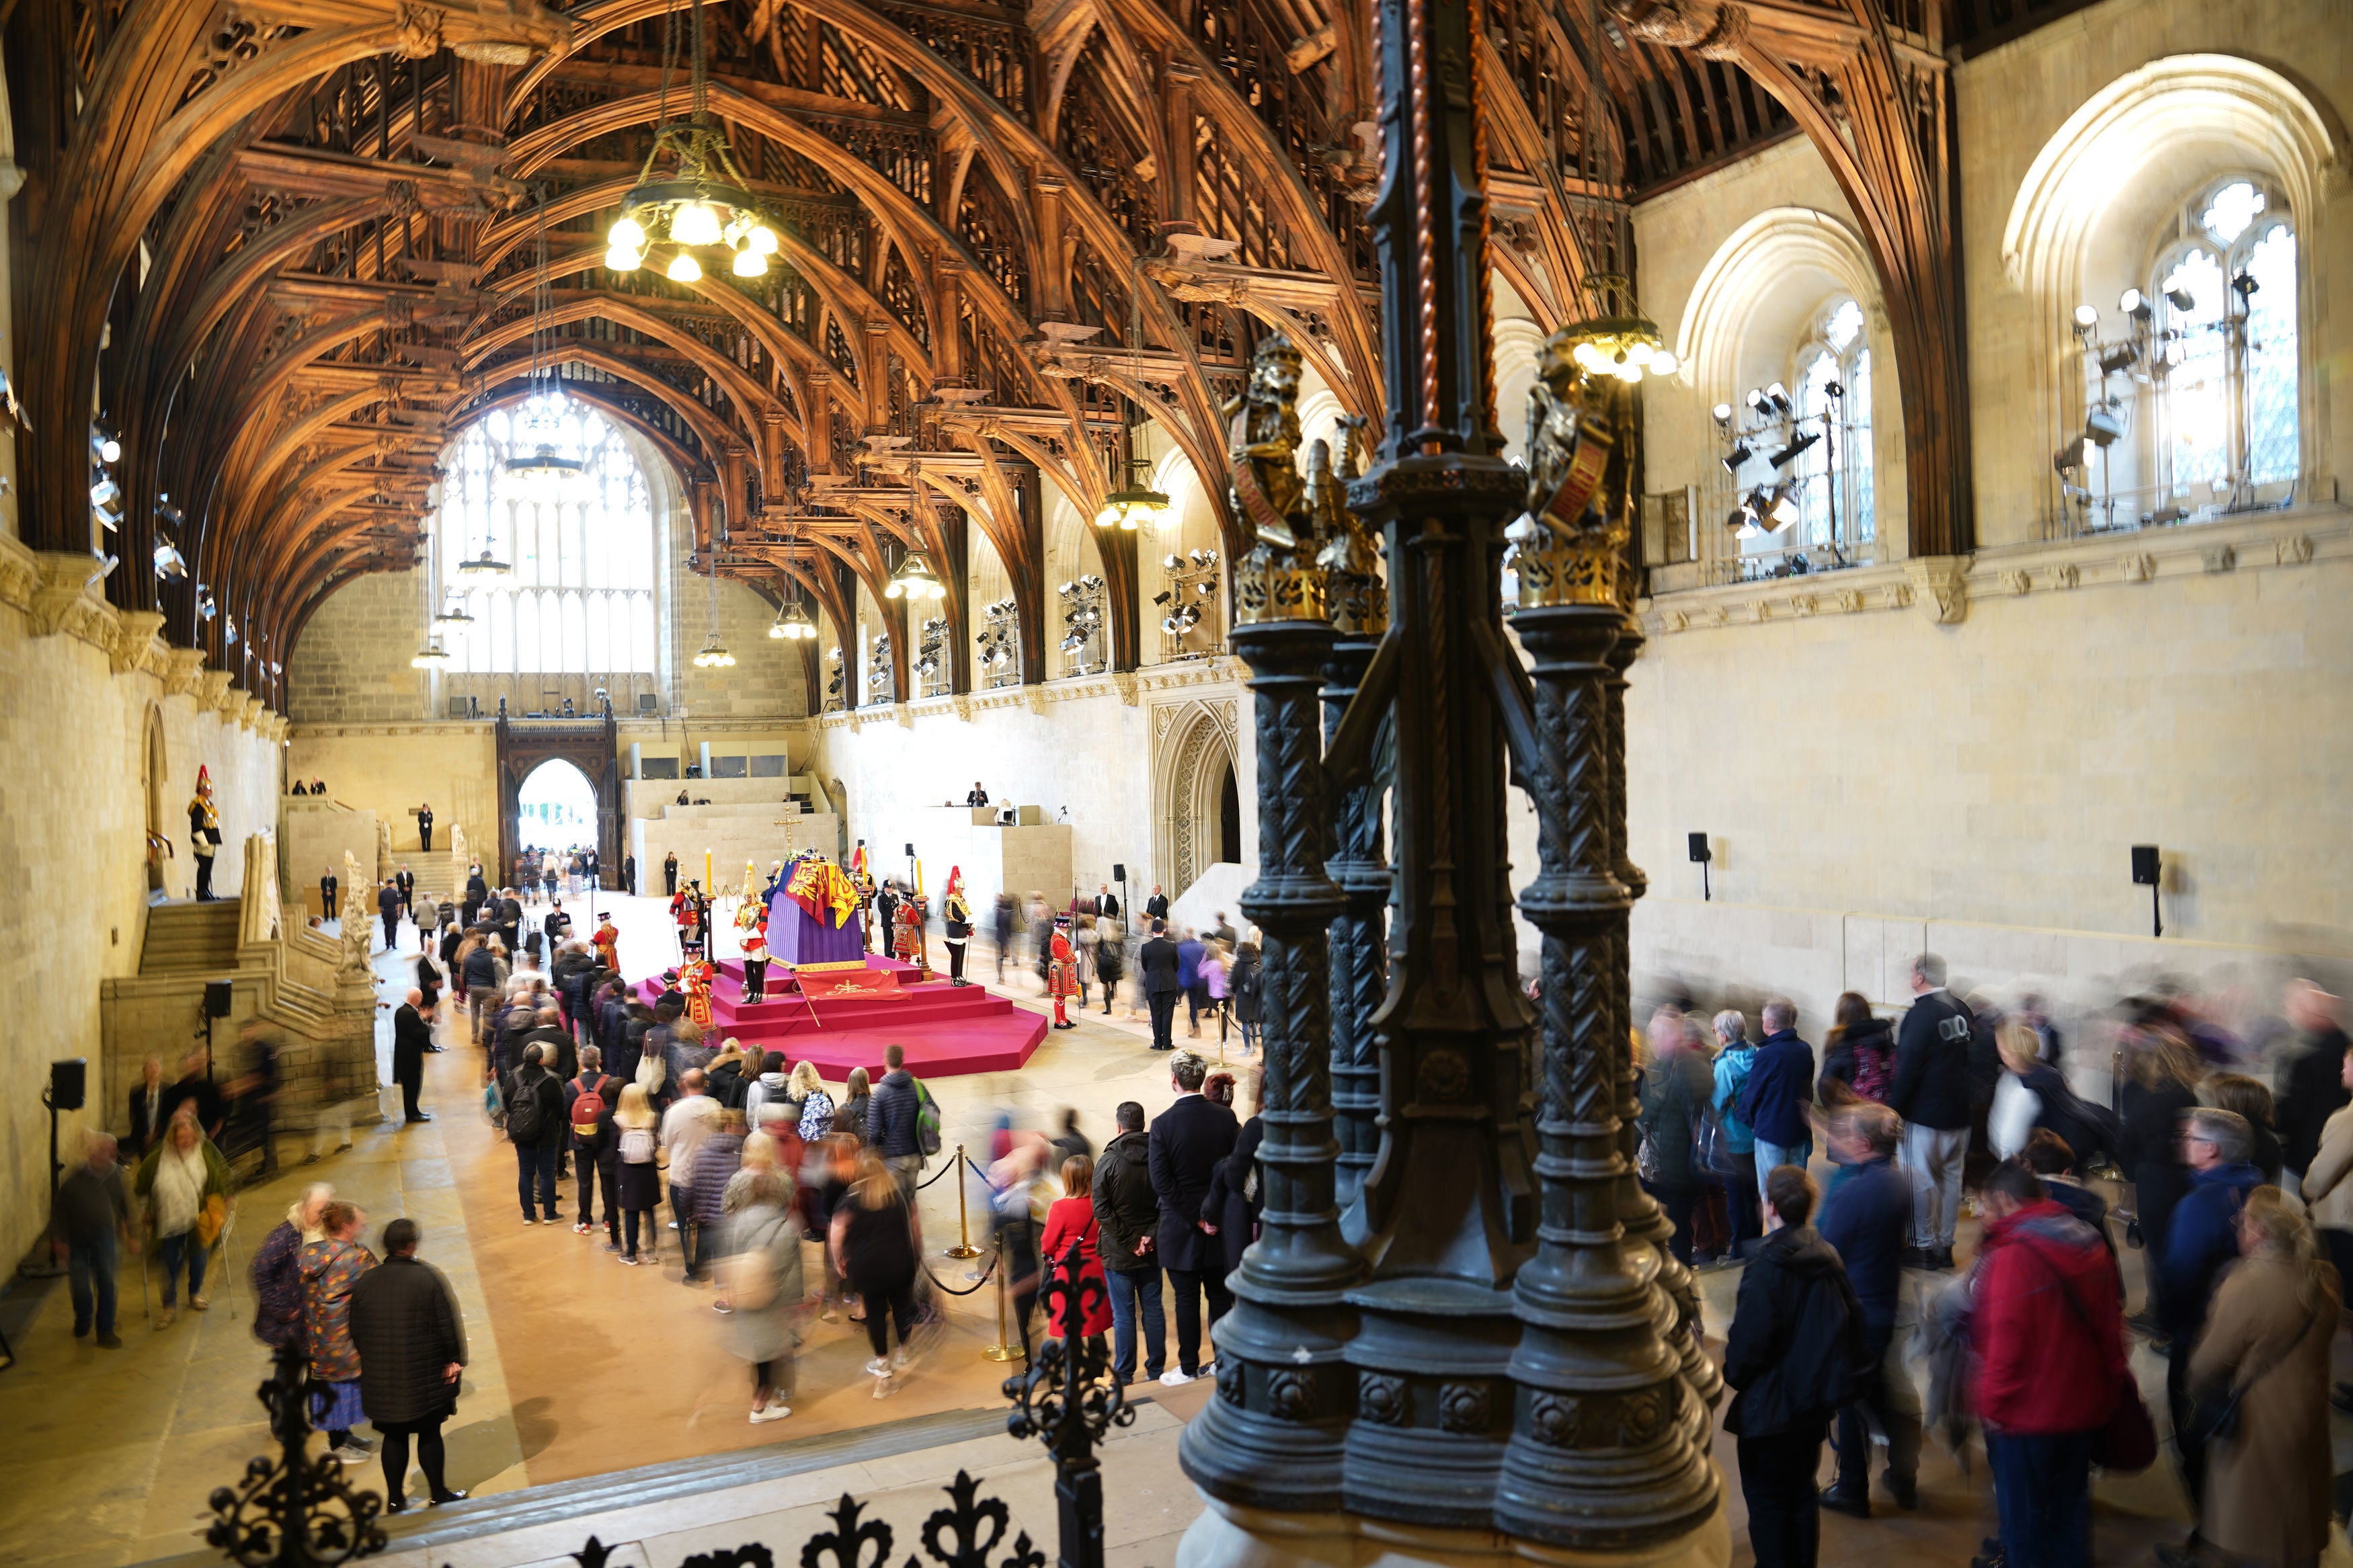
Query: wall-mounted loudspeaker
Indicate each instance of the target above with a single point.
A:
(1699, 851)
(67, 1084)
(216, 998)
(646, 702)
(1119, 871)
(2145, 864)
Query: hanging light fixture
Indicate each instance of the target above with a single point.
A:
(454, 614)
(913, 581)
(432, 656)
(485, 568)
(706, 201)
(543, 474)
(792, 623)
(715, 654)
(1618, 339)
(1135, 504)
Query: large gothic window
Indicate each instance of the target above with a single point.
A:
(579, 599)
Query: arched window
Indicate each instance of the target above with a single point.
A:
(579, 599)
(2193, 383)
(1796, 490)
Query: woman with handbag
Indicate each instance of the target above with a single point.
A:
(877, 1249)
(185, 1183)
(2259, 1379)
(761, 1276)
(637, 1181)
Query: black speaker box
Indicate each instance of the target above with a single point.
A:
(2145, 866)
(1118, 872)
(1699, 850)
(68, 1083)
(216, 998)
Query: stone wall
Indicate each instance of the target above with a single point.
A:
(351, 664)
(391, 769)
(74, 811)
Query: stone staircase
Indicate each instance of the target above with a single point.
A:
(185, 937)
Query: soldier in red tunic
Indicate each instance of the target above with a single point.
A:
(1061, 970)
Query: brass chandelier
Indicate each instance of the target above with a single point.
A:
(705, 202)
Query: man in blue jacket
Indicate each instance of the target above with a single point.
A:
(1735, 1059)
(1781, 1087)
(1931, 1093)
(2202, 1240)
(1866, 1216)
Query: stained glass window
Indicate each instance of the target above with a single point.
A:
(581, 598)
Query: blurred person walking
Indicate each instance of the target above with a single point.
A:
(2201, 1242)
(276, 1269)
(1111, 957)
(411, 1339)
(892, 1120)
(1859, 1053)
(1931, 1093)
(2329, 1205)
(1161, 976)
(1865, 1216)
(876, 1245)
(2160, 1087)
(332, 1266)
(1188, 1142)
(185, 1183)
(766, 1290)
(2248, 1100)
(2265, 1357)
(2052, 1163)
(1675, 1091)
(1735, 1057)
(692, 1121)
(1795, 1354)
(1248, 984)
(1188, 981)
(1127, 1211)
(2312, 1085)
(1779, 1089)
(716, 1161)
(2047, 1326)
(89, 1228)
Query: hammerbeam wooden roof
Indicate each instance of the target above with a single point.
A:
(288, 246)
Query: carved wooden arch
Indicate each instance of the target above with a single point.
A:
(593, 747)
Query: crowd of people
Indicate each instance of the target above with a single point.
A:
(1213, 973)
(2235, 1196)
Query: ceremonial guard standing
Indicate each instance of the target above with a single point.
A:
(907, 932)
(203, 829)
(425, 826)
(686, 909)
(754, 941)
(1061, 970)
(694, 980)
(608, 943)
(955, 914)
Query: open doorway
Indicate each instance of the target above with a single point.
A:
(1230, 816)
(556, 809)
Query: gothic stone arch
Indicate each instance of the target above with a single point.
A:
(589, 745)
(1193, 743)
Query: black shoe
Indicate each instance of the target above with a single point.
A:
(452, 1495)
(81, 1331)
(1916, 1258)
(1854, 1505)
(1906, 1492)
(396, 1505)
(1945, 1258)
(422, 1116)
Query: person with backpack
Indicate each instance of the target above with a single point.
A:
(588, 1111)
(535, 1126)
(1793, 1354)
(636, 1182)
(1675, 1092)
(765, 1287)
(1779, 1089)
(893, 1122)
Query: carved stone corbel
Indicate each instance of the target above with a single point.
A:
(181, 667)
(211, 688)
(251, 718)
(232, 704)
(136, 646)
(1125, 680)
(1940, 584)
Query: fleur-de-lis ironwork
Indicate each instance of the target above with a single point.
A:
(1068, 1400)
(294, 1511)
(969, 1548)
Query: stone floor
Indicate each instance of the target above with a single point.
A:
(581, 1367)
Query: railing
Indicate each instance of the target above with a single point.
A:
(298, 1510)
(2085, 511)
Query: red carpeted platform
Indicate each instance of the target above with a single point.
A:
(946, 1030)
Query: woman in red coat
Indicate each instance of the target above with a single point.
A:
(1072, 1219)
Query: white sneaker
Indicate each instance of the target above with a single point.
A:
(772, 1412)
(880, 1366)
(1174, 1377)
(347, 1454)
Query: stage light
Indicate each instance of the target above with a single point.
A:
(2244, 286)
(2069, 457)
(2101, 427)
(1783, 510)
(1723, 412)
(1795, 449)
(2087, 318)
(2134, 303)
(2177, 295)
(2118, 358)
(1738, 455)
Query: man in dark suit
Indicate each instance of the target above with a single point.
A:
(1189, 1140)
(387, 905)
(412, 1036)
(1106, 904)
(477, 893)
(425, 826)
(1157, 961)
(329, 886)
(1156, 906)
(510, 922)
(406, 881)
(146, 1109)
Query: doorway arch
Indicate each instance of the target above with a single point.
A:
(590, 747)
(556, 807)
(1196, 789)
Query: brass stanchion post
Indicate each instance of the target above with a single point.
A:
(963, 1247)
(1002, 1350)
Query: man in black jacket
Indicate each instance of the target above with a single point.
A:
(1866, 1219)
(1931, 1093)
(329, 885)
(534, 1102)
(477, 893)
(1127, 1217)
(406, 881)
(412, 1342)
(1157, 962)
(387, 907)
(1794, 1353)
(1188, 1140)
(1156, 906)
(891, 1121)
(2314, 1086)
(510, 922)
(146, 1109)
(412, 1036)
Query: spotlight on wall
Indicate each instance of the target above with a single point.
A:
(2244, 286)
(1795, 449)
(2069, 458)
(1723, 412)
(1738, 455)
(2118, 358)
(1778, 396)
(2102, 426)
(1782, 509)
(2177, 295)
(169, 563)
(2134, 304)
(2088, 320)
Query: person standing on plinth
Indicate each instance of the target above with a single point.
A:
(956, 915)
(907, 926)
(205, 833)
(425, 826)
(670, 874)
(1061, 970)
(755, 942)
